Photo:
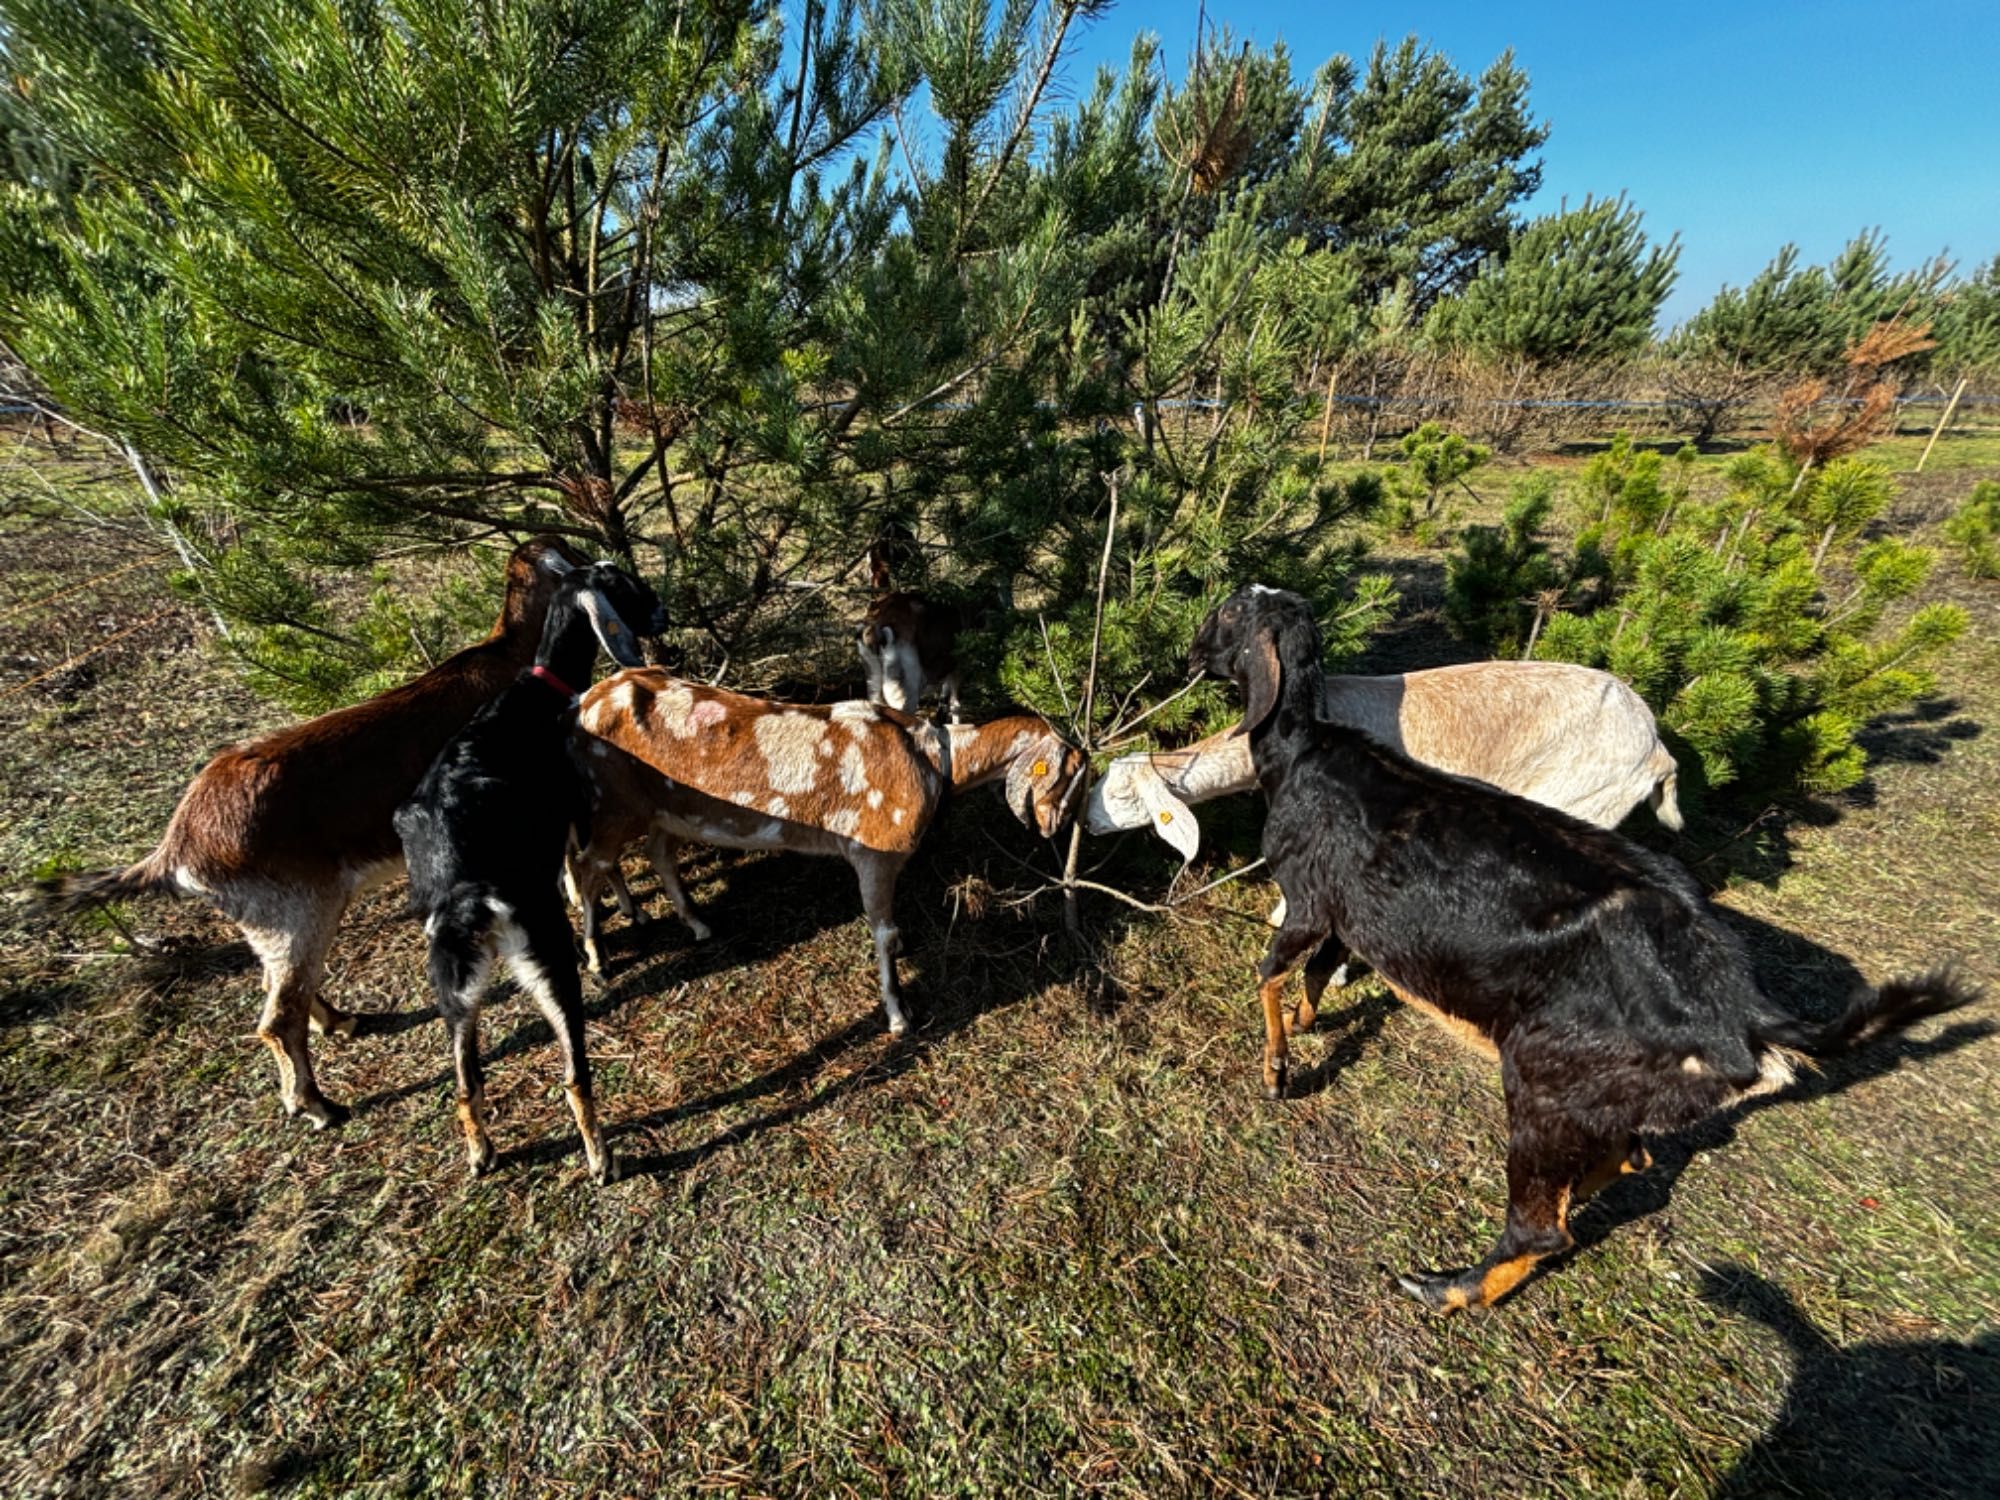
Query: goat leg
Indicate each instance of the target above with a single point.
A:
(877, 873)
(543, 964)
(332, 1021)
(294, 959)
(1288, 946)
(1328, 964)
(459, 959)
(1539, 1194)
(662, 849)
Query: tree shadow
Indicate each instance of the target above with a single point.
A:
(982, 985)
(1873, 1419)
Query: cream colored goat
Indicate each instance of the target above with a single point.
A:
(1566, 736)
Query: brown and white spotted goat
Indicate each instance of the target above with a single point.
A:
(281, 833)
(682, 762)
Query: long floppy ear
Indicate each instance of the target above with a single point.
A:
(613, 634)
(1047, 753)
(1260, 691)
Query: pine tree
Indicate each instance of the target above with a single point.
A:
(1975, 530)
(1580, 287)
(1755, 623)
(1968, 326)
(1412, 169)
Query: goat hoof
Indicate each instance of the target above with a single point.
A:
(480, 1162)
(1274, 1084)
(340, 1025)
(328, 1114)
(1437, 1290)
(701, 930)
(604, 1171)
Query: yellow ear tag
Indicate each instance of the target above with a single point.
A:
(1165, 816)
(1040, 768)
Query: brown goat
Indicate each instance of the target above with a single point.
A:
(279, 834)
(907, 643)
(687, 762)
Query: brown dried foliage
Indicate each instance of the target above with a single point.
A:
(1815, 428)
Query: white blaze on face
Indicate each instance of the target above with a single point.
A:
(902, 677)
(790, 745)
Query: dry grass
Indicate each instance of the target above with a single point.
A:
(1056, 1242)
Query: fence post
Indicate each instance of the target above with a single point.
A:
(1938, 431)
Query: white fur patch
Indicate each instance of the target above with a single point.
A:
(854, 711)
(671, 710)
(743, 799)
(776, 806)
(853, 769)
(844, 822)
(874, 796)
(790, 744)
(896, 817)
(902, 677)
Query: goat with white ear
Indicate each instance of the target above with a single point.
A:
(1565, 736)
(485, 832)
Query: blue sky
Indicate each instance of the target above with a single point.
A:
(1741, 126)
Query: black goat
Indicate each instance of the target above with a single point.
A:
(1592, 969)
(484, 835)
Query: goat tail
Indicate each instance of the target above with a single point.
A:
(64, 896)
(1873, 1013)
(456, 923)
(1664, 796)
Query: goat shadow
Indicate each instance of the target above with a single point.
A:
(1869, 1420)
(1809, 981)
(775, 902)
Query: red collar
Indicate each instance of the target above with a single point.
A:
(555, 682)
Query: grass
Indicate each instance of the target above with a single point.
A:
(1056, 1242)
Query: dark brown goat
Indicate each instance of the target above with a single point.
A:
(281, 833)
(907, 643)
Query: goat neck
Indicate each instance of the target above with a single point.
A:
(568, 650)
(980, 753)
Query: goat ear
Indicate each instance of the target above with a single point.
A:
(1046, 752)
(1260, 690)
(613, 634)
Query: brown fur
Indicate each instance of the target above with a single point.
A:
(280, 833)
(690, 762)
